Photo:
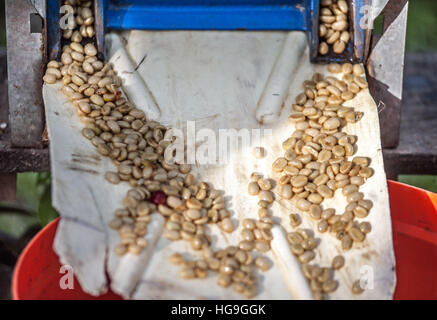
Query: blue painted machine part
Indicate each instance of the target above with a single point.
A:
(207, 14)
(53, 29)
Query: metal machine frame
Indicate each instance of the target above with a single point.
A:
(299, 15)
(34, 37)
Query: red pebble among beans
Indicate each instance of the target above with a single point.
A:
(159, 197)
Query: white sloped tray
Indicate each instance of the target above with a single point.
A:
(220, 80)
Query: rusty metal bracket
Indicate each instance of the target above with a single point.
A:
(385, 66)
(26, 57)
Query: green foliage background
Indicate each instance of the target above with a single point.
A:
(32, 206)
(422, 25)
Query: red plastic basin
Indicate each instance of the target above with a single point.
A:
(414, 215)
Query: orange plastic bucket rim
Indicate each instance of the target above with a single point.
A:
(414, 221)
(26, 251)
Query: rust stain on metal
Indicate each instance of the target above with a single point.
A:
(45, 137)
